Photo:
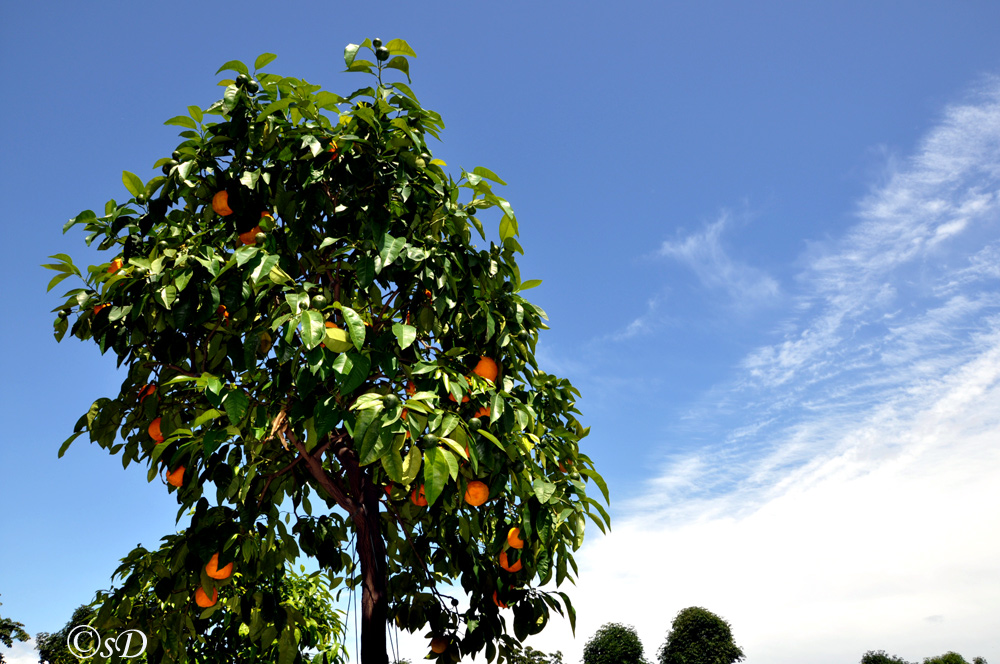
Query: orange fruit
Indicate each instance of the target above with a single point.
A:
(483, 412)
(428, 294)
(486, 368)
(569, 463)
(145, 391)
(388, 488)
(452, 397)
(498, 602)
(439, 644)
(222, 312)
(418, 499)
(213, 570)
(202, 600)
(333, 150)
(250, 236)
(154, 430)
(514, 538)
(220, 203)
(116, 265)
(516, 567)
(176, 478)
(477, 493)
(411, 389)
(98, 308)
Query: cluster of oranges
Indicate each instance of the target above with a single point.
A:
(220, 204)
(212, 570)
(175, 477)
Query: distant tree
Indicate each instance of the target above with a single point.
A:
(698, 636)
(53, 648)
(614, 643)
(531, 656)
(952, 658)
(11, 631)
(881, 657)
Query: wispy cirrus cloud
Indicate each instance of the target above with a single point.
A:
(703, 252)
(852, 493)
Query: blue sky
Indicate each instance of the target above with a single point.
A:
(768, 234)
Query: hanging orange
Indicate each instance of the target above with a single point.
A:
(146, 390)
(516, 567)
(498, 602)
(418, 499)
(176, 478)
(116, 265)
(202, 600)
(487, 369)
(477, 493)
(514, 538)
(250, 236)
(483, 412)
(220, 203)
(213, 570)
(154, 430)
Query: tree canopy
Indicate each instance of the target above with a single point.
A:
(698, 636)
(614, 643)
(319, 361)
(11, 631)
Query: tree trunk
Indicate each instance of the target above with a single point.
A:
(374, 574)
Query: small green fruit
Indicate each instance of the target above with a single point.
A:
(319, 301)
(169, 166)
(475, 424)
(376, 42)
(259, 237)
(241, 80)
(390, 400)
(252, 86)
(471, 211)
(140, 200)
(431, 439)
(382, 53)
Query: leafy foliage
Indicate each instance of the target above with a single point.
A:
(698, 636)
(301, 289)
(881, 657)
(11, 631)
(952, 658)
(614, 643)
(531, 656)
(306, 597)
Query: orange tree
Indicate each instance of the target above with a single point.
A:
(317, 356)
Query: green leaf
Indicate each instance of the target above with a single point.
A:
(66, 443)
(263, 60)
(359, 373)
(236, 66)
(488, 174)
(313, 328)
(392, 461)
(133, 183)
(530, 283)
(436, 473)
(400, 63)
(400, 47)
(182, 121)
(599, 481)
(376, 443)
(405, 334)
(275, 107)
(350, 53)
(235, 404)
(543, 490)
(508, 228)
(196, 113)
(390, 249)
(411, 465)
(355, 325)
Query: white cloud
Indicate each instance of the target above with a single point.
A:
(704, 254)
(20, 653)
(853, 500)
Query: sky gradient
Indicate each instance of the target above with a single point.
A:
(769, 236)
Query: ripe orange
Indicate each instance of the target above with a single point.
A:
(439, 644)
(176, 478)
(487, 369)
(154, 430)
(147, 390)
(333, 150)
(498, 602)
(477, 493)
(514, 538)
(418, 499)
(411, 389)
(569, 463)
(250, 236)
(202, 600)
(452, 397)
(98, 308)
(483, 412)
(428, 294)
(222, 312)
(116, 265)
(213, 570)
(220, 203)
(516, 567)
